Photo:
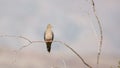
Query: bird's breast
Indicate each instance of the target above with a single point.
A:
(48, 35)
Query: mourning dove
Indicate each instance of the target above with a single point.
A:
(48, 37)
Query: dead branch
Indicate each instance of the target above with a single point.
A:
(101, 31)
(75, 53)
(31, 42)
(17, 37)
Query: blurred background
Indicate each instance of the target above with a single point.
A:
(73, 22)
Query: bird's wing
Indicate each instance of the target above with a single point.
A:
(52, 35)
(44, 34)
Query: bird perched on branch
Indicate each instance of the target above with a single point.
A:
(48, 37)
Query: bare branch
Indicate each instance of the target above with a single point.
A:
(16, 51)
(17, 37)
(75, 53)
(31, 42)
(101, 31)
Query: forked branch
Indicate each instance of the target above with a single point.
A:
(30, 42)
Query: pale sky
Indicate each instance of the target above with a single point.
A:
(73, 22)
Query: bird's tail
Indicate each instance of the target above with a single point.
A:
(48, 46)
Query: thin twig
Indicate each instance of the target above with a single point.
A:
(75, 53)
(101, 31)
(64, 64)
(17, 37)
(16, 51)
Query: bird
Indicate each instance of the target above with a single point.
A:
(48, 37)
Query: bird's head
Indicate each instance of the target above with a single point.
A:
(49, 26)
